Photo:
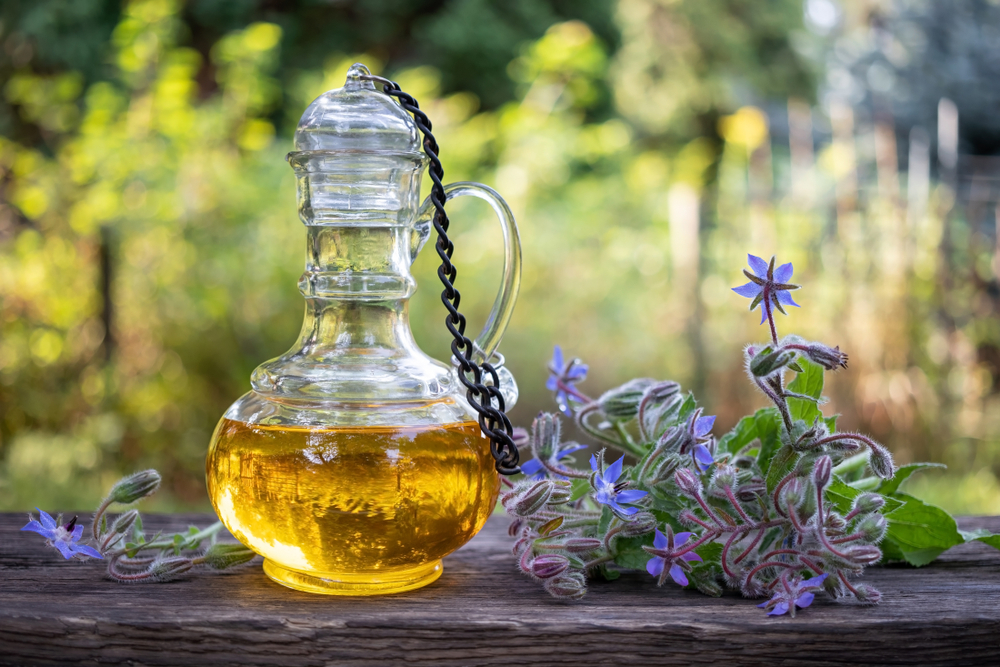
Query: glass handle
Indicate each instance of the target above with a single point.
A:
(489, 338)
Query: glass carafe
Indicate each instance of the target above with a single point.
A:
(355, 464)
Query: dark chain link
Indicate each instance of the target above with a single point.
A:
(485, 399)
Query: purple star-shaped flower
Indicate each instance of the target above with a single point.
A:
(665, 560)
(610, 492)
(63, 538)
(562, 377)
(792, 593)
(536, 470)
(770, 281)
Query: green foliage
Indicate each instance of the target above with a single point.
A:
(807, 383)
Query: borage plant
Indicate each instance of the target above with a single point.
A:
(783, 506)
(122, 543)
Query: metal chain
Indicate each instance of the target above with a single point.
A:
(492, 418)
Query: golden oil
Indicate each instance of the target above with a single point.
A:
(353, 511)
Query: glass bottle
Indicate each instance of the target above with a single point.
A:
(355, 464)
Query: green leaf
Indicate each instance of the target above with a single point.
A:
(630, 554)
(761, 424)
(809, 383)
(781, 465)
(607, 573)
(605, 522)
(902, 474)
(981, 535)
(918, 533)
(687, 407)
(580, 488)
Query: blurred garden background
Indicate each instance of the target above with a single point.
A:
(150, 249)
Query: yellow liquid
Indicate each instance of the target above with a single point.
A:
(352, 511)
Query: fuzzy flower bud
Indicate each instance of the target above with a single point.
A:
(868, 502)
(866, 594)
(687, 482)
(561, 493)
(532, 499)
(768, 361)
(822, 471)
(881, 461)
(167, 569)
(873, 527)
(547, 566)
(570, 585)
(641, 523)
(123, 524)
(622, 402)
(724, 477)
(546, 432)
(793, 493)
(222, 556)
(135, 487)
(830, 358)
(865, 554)
(582, 545)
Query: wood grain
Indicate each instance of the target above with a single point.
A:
(481, 612)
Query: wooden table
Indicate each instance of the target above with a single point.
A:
(481, 612)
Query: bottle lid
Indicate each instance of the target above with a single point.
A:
(357, 117)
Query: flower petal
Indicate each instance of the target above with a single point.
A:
(655, 566)
(680, 539)
(690, 556)
(783, 273)
(87, 551)
(578, 372)
(804, 600)
(614, 471)
(557, 360)
(624, 511)
(64, 548)
(630, 495)
(46, 519)
(763, 315)
(703, 426)
(531, 467)
(36, 527)
(758, 265)
(569, 450)
(677, 574)
(552, 383)
(785, 299)
(750, 290)
(816, 581)
(659, 540)
(593, 463)
(779, 609)
(77, 533)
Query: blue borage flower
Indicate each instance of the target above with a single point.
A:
(64, 538)
(791, 593)
(610, 492)
(700, 429)
(562, 378)
(536, 470)
(665, 560)
(766, 280)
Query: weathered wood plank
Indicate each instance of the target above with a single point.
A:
(481, 612)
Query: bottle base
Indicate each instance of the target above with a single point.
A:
(382, 583)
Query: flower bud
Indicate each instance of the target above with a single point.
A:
(688, 518)
(793, 493)
(834, 522)
(547, 566)
(546, 432)
(640, 524)
(514, 529)
(880, 461)
(768, 361)
(570, 585)
(873, 527)
(667, 465)
(123, 524)
(830, 358)
(622, 402)
(868, 502)
(135, 487)
(822, 471)
(520, 436)
(866, 594)
(532, 499)
(167, 569)
(865, 554)
(582, 545)
(222, 556)
(561, 493)
(687, 482)
(724, 477)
